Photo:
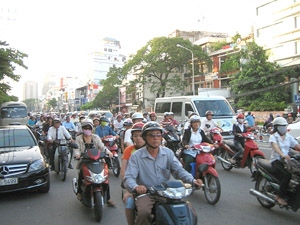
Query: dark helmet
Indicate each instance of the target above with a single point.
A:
(103, 118)
(145, 113)
(209, 112)
(137, 127)
(151, 126)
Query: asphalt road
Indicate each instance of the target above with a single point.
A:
(60, 206)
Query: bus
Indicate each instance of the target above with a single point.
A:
(13, 113)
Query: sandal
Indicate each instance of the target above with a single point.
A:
(110, 203)
(281, 201)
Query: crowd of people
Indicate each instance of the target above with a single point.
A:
(145, 161)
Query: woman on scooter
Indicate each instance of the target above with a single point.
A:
(281, 142)
(192, 136)
(239, 141)
(89, 140)
(138, 143)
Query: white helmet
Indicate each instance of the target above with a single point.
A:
(195, 119)
(137, 116)
(279, 121)
(87, 122)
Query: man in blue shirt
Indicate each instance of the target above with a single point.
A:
(68, 124)
(104, 130)
(32, 121)
(249, 118)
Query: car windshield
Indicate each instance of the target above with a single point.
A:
(218, 107)
(15, 138)
(13, 112)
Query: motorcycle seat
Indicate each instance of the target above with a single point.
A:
(230, 144)
(266, 164)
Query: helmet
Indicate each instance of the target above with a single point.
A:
(56, 120)
(166, 114)
(103, 118)
(82, 116)
(119, 116)
(131, 113)
(128, 122)
(240, 116)
(151, 126)
(195, 119)
(145, 113)
(192, 114)
(152, 114)
(87, 122)
(289, 115)
(96, 118)
(137, 116)
(137, 127)
(279, 121)
(208, 112)
(171, 113)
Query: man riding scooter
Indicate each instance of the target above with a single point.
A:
(152, 165)
(208, 124)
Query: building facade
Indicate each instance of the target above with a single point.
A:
(30, 90)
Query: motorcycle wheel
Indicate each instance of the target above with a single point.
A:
(98, 206)
(116, 167)
(63, 169)
(212, 189)
(252, 166)
(261, 185)
(226, 166)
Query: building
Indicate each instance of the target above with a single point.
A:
(277, 30)
(30, 90)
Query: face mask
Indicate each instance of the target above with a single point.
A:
(103, 123)
(282, 130)
(87, 132)
(240, 120)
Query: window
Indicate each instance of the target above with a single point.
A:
(15, 138)
(109, 50)
(219, 107)
(162, 107)
(297, 21)
(105, 49)
(188, 108)
(13, 112)
(177, 108)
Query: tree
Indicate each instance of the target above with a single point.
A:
(30, 103)
(9, 59)
(257, 74)
(52, 103)
(159, 62)
(109, 93)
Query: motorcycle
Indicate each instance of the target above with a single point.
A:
(251, 152)
(112, 163)
(169, 207)
(61, 157)
(95, 173)
(217, 138)
(267, 185)
(120, 132)
(205, 169)
(172, 139)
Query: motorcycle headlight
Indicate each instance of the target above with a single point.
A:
(37, 165)
(96, 178)
(175, 193)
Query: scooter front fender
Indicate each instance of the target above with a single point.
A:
(256, 152)
(211, 171)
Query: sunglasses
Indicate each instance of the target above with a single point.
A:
(154, 135)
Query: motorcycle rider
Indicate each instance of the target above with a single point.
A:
(83, 141)
(139, 142)
(208, 124)
(104, 130)
(78, 125)
(192, 136)
(54, 133)
(118, 123)
(250, 119)
(96, 122)
(153, 116)
(136, 118)
(127, 125)
(187, 123)
(166, 121)
(146, 118)
(239, 142)
(68, 124)
(152, 165)
(281, 142)
(174, 122)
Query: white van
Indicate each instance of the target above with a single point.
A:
(13, 113)
(181, 106)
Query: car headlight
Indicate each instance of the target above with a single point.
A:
(175, 193)
(96, 178)
(37, 165)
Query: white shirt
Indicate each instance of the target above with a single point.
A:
(117, 124)
(196, 138)
(62, 133)
(212, 124)
(127, 137)
(284, 145)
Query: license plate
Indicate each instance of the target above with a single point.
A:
(8, 181)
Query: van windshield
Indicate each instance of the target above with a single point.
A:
(13, 112)
(218, 107)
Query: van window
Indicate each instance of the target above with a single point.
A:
(162, 107)
(13, 112)
(177, 108)
(188, 107)
(218, 107)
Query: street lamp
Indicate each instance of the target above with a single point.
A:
(118, 86)
(193, 79)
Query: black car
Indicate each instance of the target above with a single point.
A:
(22, 165)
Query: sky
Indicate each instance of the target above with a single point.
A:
(57, 35)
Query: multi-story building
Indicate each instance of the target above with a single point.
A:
(277, 30)
(30, 90)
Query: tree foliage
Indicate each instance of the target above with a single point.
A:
(256, 74)
(9, 59)
(52, 103)
(159, 62)
(30, 103)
